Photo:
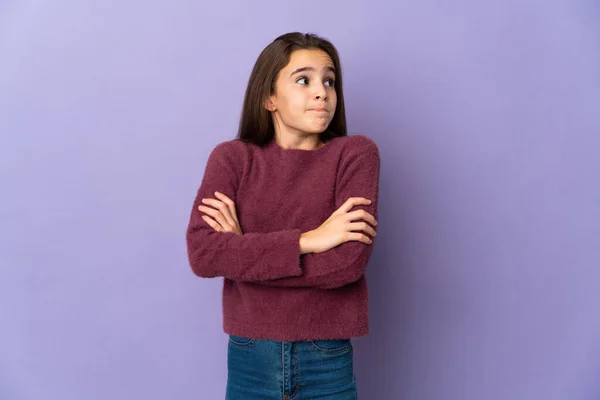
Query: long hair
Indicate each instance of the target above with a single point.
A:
(256, 124)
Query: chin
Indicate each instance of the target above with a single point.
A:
(317, 129)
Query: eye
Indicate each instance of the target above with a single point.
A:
(330, 81)
(302, 78)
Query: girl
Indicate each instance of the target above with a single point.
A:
(286, 214)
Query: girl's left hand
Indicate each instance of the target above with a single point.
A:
(224, 218)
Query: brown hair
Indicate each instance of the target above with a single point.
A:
(256, 124)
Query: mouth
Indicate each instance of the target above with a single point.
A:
(319, 110)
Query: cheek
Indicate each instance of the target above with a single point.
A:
(292, 99)
(297, 104)
(333, 100)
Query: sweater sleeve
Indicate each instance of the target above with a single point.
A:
(248, 257)
(346, 263)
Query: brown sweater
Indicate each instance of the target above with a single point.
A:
(270, 291)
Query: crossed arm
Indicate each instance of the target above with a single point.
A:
(218, 247)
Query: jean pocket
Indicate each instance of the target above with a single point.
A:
(241, 341)
(330, 346)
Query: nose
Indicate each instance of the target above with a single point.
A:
(321, 92)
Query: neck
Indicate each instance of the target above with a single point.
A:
(290, 141)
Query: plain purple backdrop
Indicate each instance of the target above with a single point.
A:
(484, 283)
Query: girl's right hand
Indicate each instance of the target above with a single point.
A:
(339, 228)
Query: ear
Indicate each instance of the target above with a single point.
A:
(270, 104)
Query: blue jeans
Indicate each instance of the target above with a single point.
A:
(269, 370)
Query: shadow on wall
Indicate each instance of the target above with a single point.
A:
(385, 358)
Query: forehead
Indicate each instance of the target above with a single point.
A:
(315, 58)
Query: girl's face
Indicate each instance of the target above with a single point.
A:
(305, 99)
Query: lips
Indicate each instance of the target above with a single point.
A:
(323, 110)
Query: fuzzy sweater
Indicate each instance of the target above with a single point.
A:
(270, 291)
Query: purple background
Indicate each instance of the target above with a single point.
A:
(484, 283)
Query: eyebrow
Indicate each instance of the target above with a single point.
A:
(302, 69)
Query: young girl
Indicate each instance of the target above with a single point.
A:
(286, 214)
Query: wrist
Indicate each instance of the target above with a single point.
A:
(305, 243)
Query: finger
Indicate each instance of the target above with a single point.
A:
(358, 237)
(223, 208)
(354, 201)
(216, 215)
(362, 226)
(362, 214)
(230, 204)
(212, 223)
